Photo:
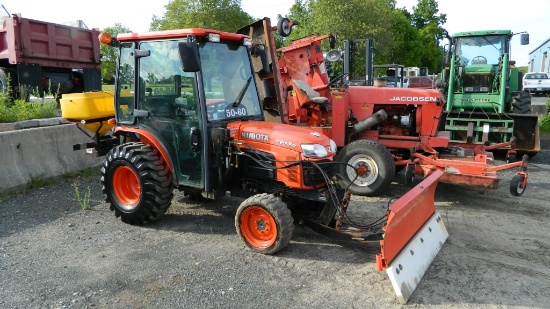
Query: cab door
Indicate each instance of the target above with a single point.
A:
(170, 96)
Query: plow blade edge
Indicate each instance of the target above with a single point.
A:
(413, 236)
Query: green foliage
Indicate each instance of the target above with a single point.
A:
(109, 54)
(523, 69)
(18, 110)
(223, 15)
(411, 39)
(83, 201)
(428, 21)
(545, 121)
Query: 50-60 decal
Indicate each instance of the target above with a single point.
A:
(232, 112)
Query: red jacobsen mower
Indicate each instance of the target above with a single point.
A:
(186, 114)
(377, 130)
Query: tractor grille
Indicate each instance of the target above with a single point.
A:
(257, 165)
(477, 82)
(312, 175)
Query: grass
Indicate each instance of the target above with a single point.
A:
(40, 181)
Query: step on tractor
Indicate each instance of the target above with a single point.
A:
(485, 102)
(186, 114)
(377, 130)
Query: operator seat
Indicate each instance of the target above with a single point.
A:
(306, 95)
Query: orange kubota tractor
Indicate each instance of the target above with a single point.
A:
(186, 114)
(377, 129)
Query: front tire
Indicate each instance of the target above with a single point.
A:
(366, 167)
(264, 223)
(521, 102)
(137, 183)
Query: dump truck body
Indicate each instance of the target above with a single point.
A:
(45, 56)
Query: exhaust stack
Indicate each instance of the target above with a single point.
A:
(368, 122)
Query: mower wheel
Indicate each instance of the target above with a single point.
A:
(409, 174)
(137, 183)
(515, 185)
(283, 27)
(264, 223)
(365, 167)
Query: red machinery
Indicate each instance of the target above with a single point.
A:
(361, 118)
(186, 114)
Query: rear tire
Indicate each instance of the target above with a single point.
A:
(372, 164)
(521, 102)
(264, 223)
(137, 183)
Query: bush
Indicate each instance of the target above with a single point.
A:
(545, 122)
(19, 109)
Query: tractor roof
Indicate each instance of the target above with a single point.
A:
(482, 32)
(179, 33)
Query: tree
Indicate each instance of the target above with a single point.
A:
(109, 54)
(428, 21)
(223, 15)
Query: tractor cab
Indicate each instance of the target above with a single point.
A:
(482, 75)
(175, 87)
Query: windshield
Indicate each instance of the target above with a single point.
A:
(480, 49)
(228, 81)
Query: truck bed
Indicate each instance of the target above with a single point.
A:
(52, 45)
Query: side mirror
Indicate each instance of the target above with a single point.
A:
(189, 56)
(140, 53)
(524, 38)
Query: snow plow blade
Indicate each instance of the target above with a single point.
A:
(413, 235)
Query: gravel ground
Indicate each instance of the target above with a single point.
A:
(53, 254)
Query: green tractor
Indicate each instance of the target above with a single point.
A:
(485, 103)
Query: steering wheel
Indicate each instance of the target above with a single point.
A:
(479, 60)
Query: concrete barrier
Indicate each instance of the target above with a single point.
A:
(42, 151)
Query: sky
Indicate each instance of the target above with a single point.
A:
(463, 15)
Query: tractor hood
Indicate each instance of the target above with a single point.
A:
(280, 135)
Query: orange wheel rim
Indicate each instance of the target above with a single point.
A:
(126, 186)
(258, 227)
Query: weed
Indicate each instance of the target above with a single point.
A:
(83, 201)
(39, 181)
(17, 108)
(87, 172)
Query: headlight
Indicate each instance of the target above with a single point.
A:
(333, 148)
(314, 150)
